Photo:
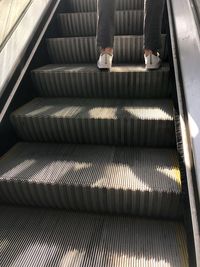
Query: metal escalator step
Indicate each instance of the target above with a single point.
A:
(97, 121)
(128, 49)
(42, 237)
(91, 5)
(123, 81)
(137, 181)
(84, 24)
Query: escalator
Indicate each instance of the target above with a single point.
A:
(95, 178)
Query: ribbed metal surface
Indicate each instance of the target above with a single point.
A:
(39, 237)
(101, 179)
(97, 121)
(122, 81)
(128, 49)
(93, 178)
(91, 5)
(84, 24)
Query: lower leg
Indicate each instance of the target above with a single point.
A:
(153, 14)
(105, 25)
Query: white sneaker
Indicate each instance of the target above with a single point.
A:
(152, 62)
(105, 61)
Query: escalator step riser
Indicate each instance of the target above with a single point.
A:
(127, 22)
(123, 180)
(100, 200)
(78, 81)
(84, 24)
(91, 5)
(128, 49)
(40, 237)
(105, 132)
(97, 121)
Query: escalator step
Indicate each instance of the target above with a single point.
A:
(123, 81)
(44, 237)
(91, 5)
(97, 121)
(128, 49)
(122, 180)
(84, 24)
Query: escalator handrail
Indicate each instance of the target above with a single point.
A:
(19, 50)
(186, 57)
(7, 32)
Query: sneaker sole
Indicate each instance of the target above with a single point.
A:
(154, 67)
(103, 67)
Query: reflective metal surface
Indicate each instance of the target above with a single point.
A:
(186, 57)
(10, 13)
(16, 46)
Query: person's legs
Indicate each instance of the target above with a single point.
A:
(153, 14)
(105, 31)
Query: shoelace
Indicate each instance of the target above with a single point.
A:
(106, 53)
(106, 56)
(157, 55)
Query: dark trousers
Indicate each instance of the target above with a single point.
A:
(153, 13)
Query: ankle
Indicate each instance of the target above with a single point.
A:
(108, 50)
(148, 52)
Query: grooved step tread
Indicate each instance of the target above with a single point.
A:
(108, 179)
(127, 49)
(122, 167)
(41, 237)
(97, 121)
(87, 68)
(94, 178)
(85, 80)
(91, 5)
(84, 24)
